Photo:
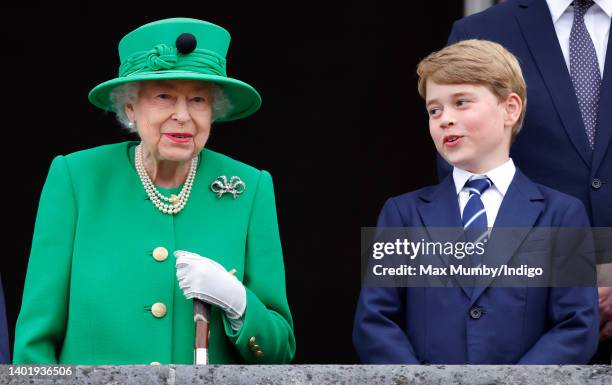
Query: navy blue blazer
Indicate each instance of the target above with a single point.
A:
(514, 325)
(4, 343)
(552, 148)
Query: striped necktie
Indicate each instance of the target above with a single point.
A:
(474, 214)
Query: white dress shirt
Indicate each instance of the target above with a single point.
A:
(492, 198)
(597, 21)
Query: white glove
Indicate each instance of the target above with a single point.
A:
(202, 278)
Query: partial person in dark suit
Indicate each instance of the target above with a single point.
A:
(4, 342)
(564, 50)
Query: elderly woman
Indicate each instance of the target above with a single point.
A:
(102, 286)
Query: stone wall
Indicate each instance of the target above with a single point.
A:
(314, 375)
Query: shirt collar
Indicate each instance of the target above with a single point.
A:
(606, 6)
(558, 7)
(501, 176)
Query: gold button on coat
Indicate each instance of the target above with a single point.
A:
(158, 309)
(160, 254)
(252, 341)
(259, 354)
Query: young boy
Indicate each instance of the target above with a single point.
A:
(475, 96)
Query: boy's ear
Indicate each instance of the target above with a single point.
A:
(513, 107)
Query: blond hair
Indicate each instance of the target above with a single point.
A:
(480, 62)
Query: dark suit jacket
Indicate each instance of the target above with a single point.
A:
(552, 148)
(524, 325)
(4, 342)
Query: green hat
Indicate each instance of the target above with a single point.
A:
(179, 48)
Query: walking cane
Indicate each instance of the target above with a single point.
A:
(201, 317)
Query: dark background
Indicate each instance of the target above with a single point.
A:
(341, 129)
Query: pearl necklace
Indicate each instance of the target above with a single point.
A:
(177, 202)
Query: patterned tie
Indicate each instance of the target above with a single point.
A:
(474, 215)
(584, 69)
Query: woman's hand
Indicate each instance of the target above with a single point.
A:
(202, 278)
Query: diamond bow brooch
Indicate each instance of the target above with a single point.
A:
(235, 186)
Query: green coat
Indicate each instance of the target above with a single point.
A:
(92, 278)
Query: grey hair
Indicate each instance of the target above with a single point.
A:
(127, 93)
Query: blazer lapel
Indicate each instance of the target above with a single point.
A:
(439, 211)
(440, 207)
(603, 132)
(539, 34)
(518, 212)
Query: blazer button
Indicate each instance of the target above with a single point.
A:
(259, 354)
(160, 254)
(158, 309)
(252, 341)
(596, 184)
(475, 313)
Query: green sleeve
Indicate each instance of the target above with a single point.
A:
(267, 316)
(41, 325)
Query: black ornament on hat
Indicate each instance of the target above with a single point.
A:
(186, 43)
